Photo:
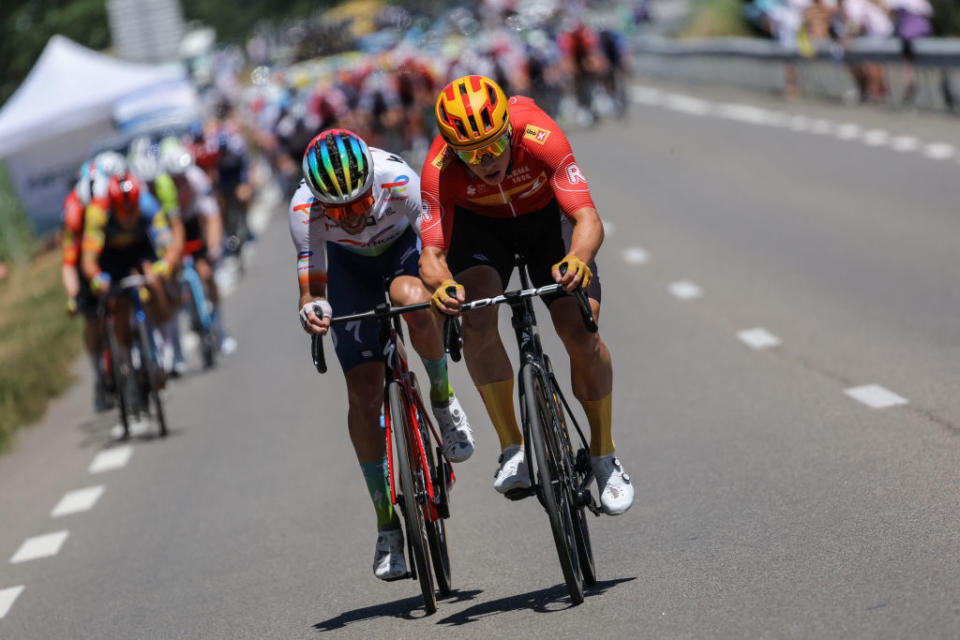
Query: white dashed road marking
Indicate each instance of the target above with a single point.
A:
(904, 144)
(138, 428)
(111, 459)
(685, 290)
(77, 501)
(939, 151)
(876, 137)
(7, 598)
(749, 114)
(636, 255)
(759, 338)
(40, 547)
(875, 396)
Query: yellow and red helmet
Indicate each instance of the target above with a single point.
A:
(472, 112)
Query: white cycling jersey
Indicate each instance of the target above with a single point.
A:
(196, 198)
(396, 206)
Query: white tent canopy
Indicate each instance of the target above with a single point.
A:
(65, 104)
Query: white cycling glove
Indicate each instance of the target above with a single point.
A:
(320, 307)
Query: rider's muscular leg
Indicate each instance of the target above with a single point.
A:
(591, 371)
(365, 396)
(423, 325)
(486, 358)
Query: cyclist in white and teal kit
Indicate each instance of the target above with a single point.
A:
(354, 223)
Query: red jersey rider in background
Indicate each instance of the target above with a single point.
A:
(501, 178)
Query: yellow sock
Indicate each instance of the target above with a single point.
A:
(498, 398)
(600, 416)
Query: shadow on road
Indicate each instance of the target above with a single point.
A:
(399, 609)
(544, 601)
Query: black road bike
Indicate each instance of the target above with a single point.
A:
(560, 472)
(425, 474)
(135, 382)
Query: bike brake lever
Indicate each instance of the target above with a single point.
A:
(452, 338)
(316, 350)
(585, 311)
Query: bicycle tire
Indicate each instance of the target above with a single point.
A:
(119, 382)
(581, 529)
(412, 513)
(154, 375)
(437, 529)
(554, 497)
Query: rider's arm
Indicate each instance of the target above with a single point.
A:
(94, 237)
(209, 210)
(72, 232)
(311, 262)
(436, 218)
(587, 234)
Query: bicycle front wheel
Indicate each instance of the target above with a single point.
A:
(437, 528)
(153, 374)
(551, 480)
(119, 374)
(407, 462)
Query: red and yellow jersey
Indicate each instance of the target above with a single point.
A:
(542, 169)
(73, 210)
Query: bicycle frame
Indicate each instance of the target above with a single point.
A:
(396, 369)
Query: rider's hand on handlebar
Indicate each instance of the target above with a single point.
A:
(71, 306)
(315, 317)
(100, 283)
(447, 298)
(577, 274)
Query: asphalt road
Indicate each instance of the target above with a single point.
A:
(770, 503)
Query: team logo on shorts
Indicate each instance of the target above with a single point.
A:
(536, 134)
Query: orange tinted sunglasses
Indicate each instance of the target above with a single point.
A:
(341, 212)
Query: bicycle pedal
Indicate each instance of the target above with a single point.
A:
(520, 493)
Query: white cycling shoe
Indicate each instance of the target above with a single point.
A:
(512, 473)
(455, 429)
(613, 484)
(388, 560)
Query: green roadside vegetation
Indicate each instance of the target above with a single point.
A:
(38, 343)
(715, 19)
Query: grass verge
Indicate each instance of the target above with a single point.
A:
(716, 18)
(38, 343)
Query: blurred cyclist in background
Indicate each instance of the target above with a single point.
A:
(353, 221)
(144, 161)
(202, 222)
(123, 233)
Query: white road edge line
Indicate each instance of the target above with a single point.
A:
(875, 396)
(111, 459)
(685, 290)
(7, 598)
(636, 255)
(40, 547)
(77, 501)
(759, 338)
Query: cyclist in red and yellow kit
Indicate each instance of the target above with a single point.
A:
(501, 178)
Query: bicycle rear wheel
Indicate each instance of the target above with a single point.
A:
(407, 461)
(551, 480)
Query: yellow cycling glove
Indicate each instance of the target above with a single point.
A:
(441, 295)
(578, 267)
(161, 268)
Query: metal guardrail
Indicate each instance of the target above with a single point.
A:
(929, 51)
(759, 64)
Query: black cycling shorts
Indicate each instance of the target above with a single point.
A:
(542, 237)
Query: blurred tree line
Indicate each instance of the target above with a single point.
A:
(26, 25)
